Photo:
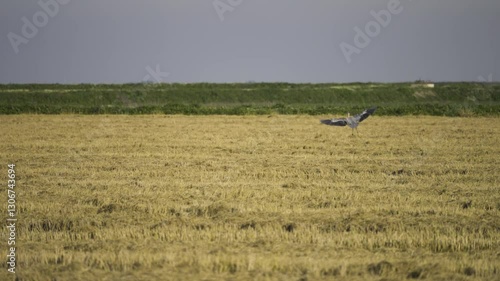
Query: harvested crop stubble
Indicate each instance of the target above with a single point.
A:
(254, 197)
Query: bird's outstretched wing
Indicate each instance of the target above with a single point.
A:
(362, 116)
(335, 122)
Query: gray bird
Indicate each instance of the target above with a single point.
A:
(351, 121)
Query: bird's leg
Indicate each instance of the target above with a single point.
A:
(352, 134)
(357, 131)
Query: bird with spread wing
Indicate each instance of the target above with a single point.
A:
(351, 121)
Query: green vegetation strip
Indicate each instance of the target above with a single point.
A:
(445, 99)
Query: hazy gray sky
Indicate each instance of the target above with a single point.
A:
(117, 41)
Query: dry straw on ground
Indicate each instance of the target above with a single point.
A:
(254, 197)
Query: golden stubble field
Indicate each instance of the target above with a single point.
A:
(253, 198)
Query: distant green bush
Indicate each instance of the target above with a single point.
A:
(446, 99)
